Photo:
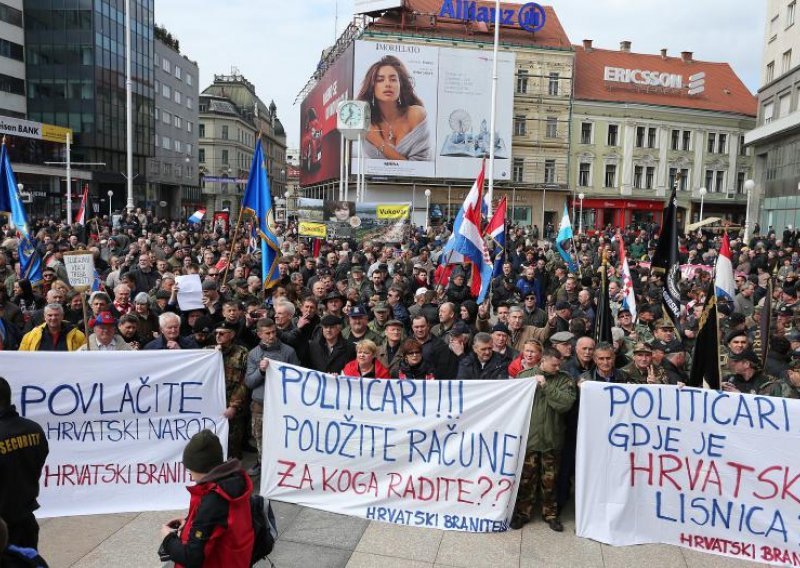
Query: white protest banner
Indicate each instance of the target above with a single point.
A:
(702, 469)
(440, 454)
(117, 423)
(80, 270)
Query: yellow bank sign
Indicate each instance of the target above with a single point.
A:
(36, 130)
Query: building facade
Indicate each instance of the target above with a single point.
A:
(637, 128)
(75, 68)
(775, 140)
(172, 173)
(12, 59)
(231, 116)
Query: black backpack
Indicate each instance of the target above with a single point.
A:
(264, 528)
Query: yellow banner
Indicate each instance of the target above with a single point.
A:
(392, 211)
(53, 133)
(309, 229)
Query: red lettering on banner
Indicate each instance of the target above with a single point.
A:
(286, 476)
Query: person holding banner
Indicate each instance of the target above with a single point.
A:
(555, 394)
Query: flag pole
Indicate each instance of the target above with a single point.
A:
(493, 114)
(234, 237)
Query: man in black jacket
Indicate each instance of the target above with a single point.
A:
(331, 352)
(434, 350)
(23, 451)
(483, 363)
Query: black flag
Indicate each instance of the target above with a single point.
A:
(666, 261)
(603, 321)
(705, 356)
(764, 322)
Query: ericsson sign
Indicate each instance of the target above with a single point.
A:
(644, 78)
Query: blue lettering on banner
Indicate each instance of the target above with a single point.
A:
(530, 17)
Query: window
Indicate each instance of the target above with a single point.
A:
(649, 177)
(552, 127)
(638, 172)
(769, 108)
(784, 105)
(613, 135)
(722, 143)
(742, 148)
(790, 9)
(651, 137)
(522, 81)
(166, 91)
(166, 117)
(773, 27)
(676, 140)
(640, 132)
(201, 155)
(712, 142)
(189, 102)
(611, 176)
(177, 146)
(549, 171)
(786, 61)
(189, 80)
(177, 97)
(684, 183)
(157, 113)
(11, 50)
(672, 173)
(10, 15)
(584, 174)
(687, 140)
(225, 157)
(189, 126)
(586, 133)
(177, 72)
(740, 182)
(189, 149)
(165, 65)
(552, 86)
(165, 169)
(166, 143)
(225, 132)
(201, 130)
(770, 75)
(518, 171)
(519, 125)
(720, 182)
(709, 180)
(177, 122)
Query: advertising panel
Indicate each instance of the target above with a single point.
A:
(320, 142)
(431, 110)
(380, 222)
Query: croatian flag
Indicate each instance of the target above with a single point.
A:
(497, 230)
(80, 218)
(467, 242)
(565, 234)
(628, 295)
(197, 216)
(723, 281)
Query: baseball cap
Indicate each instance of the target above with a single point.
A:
(380, 307)
(103, 318)
(664, 323)
(227, 326)
(642, 347)
(358, 311)
(563, 306)
(500, 326)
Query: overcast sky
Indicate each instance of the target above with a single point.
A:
(276, 44)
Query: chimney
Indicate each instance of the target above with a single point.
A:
(686, 56)
(625, 46)
(664, 53)
(587, 45)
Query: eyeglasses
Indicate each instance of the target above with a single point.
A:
(410, 353)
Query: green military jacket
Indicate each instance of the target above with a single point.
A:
(234, 361)
(640, 377)
(643, 332)
(550, 406)
(782, 388)
(347, 333)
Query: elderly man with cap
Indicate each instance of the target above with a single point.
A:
(747, 376)
(234, 362)
(784, 318)
(389, 350)
(330, 352)
(642, 369)
(644, 318)
(105, 336)
(563, 311)
(358, 328)
(218, 530)
(562, 342)
(674, 363)
(664, 330)
(786, 386)
(422, 305)
(382, 314)
(484, 363)
(334, 304)
(500, 339)
(212, 301)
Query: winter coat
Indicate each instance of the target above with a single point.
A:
(71, 339)
(327, 361)
(470, 368)
(378, 372)
(551, 404)
(423, 371)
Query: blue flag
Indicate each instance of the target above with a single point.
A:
(258, 202)
(565, 234)
(29, 259)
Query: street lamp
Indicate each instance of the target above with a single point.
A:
(580, 216)
(110, 195)
(749, 186)
(702, 192)
(427, 207)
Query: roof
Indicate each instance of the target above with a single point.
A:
(724, 91)
(416, 18)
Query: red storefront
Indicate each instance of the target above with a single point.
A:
(598, 213)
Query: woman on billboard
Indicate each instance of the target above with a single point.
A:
(399, 129)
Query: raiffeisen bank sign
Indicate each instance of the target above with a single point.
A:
(642, 77)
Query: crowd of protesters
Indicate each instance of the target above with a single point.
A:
(392, 310)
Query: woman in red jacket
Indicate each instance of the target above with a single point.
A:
(366, 363)
(218, 531)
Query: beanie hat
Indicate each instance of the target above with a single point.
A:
(203, 452)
